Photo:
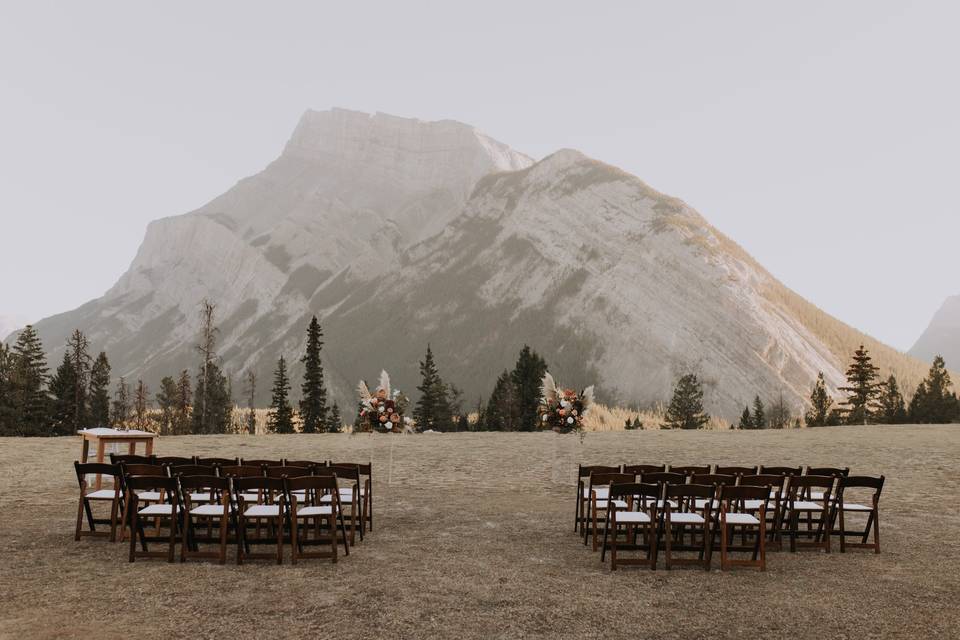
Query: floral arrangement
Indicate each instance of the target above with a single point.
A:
(563, 409)
(382, 410)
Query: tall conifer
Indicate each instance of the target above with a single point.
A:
(281, 413)
(100, 391)
(313, 402)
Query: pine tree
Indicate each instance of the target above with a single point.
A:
(820, 404)
(78, 348)
(281, 413)
(527, 378)
(892, 408)
(167, 403)
(6, 391)
(120, 411)
(215, 388)
(100, 391)
(500, 411)
(862, 389)
(31, 402)
(334, 420)
(933, 402)
(432, 410)
(184, 404)
(206, 380)
(251, 391)
(759, 414)
(63, 407)
(637, 424)
(686, 406)
(141, 403)
(313, 404)
(746, 420)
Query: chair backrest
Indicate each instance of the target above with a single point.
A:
(240, 471)
(718, 479)
(143, 469)
(306, 464)
(584, 471)
(261, 484)
(220, 462)
(836, 472)
(175, 460)
(608, 478)
(801, 485)
(347, 472)
(289, 472)
(690, 470)
(690, 491)
(645, 493)
(131, 458)
(780, 471)
(154, 483)
(84, 469)
(216, 484)
(773, 480)
(857, 482)
(664, 477)
(312, 484)
(735, 494)
(640, 469)
(261, 463)
(735, 471)
(192, 470)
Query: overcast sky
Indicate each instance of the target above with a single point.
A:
(822, 136)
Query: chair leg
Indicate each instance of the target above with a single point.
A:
(876, 531)
(762, 540)
(333, 538)
(224, 527)
(241, 537)
(76, 534)
(294, 539)
(279, 532)
(133, 538)
(723, 546)
(113, 520)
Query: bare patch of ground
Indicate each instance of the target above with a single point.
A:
(474, 539)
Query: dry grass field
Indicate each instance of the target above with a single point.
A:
(474, 539)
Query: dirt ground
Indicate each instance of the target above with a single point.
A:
(474, 539)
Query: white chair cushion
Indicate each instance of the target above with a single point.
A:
(148, 495)
(308, 512)
(619, 504)
(700, 503)
(816, 495)
(602, 492)
(741, 518)
(263, 511)
(852, 506)
(344, 499)
(100, 494)
(806, 505)
(686, 518)
(249, 497)
(208, 510)
(632, 516)
(201, 497)
(663, 503)
(752, 505)
(157, 510)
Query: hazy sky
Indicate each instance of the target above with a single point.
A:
(821, 136)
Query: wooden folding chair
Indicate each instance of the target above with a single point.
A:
(87, 498)
(663, 478)
(599, 488)
(640, 516)
(270, 506)
(145, 496)
(216, 505)
(330, 513)
(168, 510)
(845, 506)
(816, 512)
(348, 479)
(774, 505)
(686, 518)
(132, 458)
(836, 472)
(365, 488)
(743, 507)
(583, 495)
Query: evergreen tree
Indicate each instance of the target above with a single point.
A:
(527, 378)
(637, 424)
(63, 408)
(141, 403)
(933, 402)
(759, 414)
(500, 412)
(746, 420)
(78, 349)
(281, 413)
(313, 404)
(820, 404)
(6, 391)
(167, 403)
(100, 391)
(184, 404)
(31, 402)
(214, 387)
(686, 406)
(120, 412)
(334, 420)
(863, 387)
(251, 391)
(432, 410)
(892, 408)
(627, 425)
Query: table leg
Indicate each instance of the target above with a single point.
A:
(132, 447)
(100, 446)
(85, 450)
(149, 447)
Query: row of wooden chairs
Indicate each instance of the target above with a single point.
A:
(802, 504)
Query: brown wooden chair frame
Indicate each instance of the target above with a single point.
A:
(84, 505)
(642, 498)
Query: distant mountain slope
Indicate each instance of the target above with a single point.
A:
(399, 232)
(942, 336)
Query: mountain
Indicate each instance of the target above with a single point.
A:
(942, 336)
(399, 232)
(10, 323)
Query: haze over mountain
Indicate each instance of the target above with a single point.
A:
(398, 232)
(942, 336)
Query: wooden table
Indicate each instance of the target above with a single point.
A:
(101, 436)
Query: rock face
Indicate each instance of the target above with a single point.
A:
(942, 336)
(398, 232)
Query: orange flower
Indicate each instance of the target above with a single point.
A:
(395, 417)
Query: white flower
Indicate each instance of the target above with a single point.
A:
(389, 425)
(569, 420)
(382, 408)
(545, 417)
(564, 403)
